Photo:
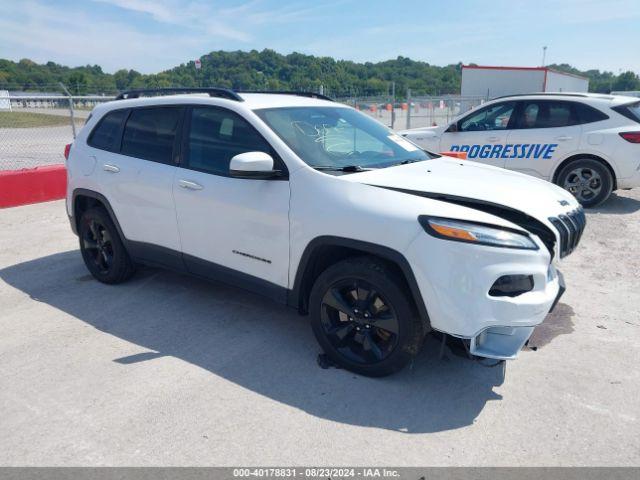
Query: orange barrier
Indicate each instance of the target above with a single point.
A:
(460, 155)
(40, 184)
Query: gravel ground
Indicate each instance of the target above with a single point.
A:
(170, 370)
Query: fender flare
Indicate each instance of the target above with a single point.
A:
(96, 196)
(297, 297)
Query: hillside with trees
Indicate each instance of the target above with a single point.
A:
(270, 70)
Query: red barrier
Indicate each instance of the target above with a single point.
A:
(40, 184)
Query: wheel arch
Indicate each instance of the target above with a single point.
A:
(324, 251)
(82, 200)
(577, 156)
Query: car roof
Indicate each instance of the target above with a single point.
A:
(251, 101)
(587, 97)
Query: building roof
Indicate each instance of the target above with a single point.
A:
(539, 69)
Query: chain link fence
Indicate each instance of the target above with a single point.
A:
(35, 127)
(415, 112)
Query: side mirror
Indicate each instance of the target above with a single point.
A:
(253, 165)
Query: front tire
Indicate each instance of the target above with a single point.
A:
(363, 319)
(102, 250)
(588, 180)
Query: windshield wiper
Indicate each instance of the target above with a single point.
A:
(348, 168)
(408, 161)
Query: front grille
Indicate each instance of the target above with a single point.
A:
(570, 228)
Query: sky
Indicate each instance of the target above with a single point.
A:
(151, 36)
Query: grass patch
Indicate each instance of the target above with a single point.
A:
(32, 119)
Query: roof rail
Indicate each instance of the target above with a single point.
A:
(289, 92)
(550, 94)
(212, 92)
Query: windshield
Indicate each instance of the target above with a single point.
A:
(337, 137)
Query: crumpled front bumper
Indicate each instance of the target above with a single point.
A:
(455, 278)
(504, 343)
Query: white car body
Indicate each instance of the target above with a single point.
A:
(542, 152)
(260, 234)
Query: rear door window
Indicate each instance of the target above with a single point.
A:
(150, 133)
(106, 135)
(588, 114)
(546, 114)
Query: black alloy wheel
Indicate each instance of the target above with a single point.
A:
(98, 244)
(102, 249)
(364, 317)
(359, 322)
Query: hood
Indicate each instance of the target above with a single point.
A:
(524, 200)
(474, 181)
(423, 131)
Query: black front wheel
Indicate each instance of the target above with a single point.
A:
(363, 319)
(102, 250)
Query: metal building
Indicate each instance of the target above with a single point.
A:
(492, 82)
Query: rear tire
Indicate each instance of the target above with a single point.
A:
(102, 249)
(589, 180)
(363, 319)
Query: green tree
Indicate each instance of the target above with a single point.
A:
(267, 69)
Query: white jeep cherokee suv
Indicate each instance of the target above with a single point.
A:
(586, 143)
(318, 206)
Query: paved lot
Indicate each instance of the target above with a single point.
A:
(169, 370)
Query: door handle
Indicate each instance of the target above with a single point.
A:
(190, 185)
(107, 167)
(493, 139)
(564, 138)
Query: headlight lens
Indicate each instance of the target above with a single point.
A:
(478, 233)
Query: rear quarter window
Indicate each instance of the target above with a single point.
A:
(105, 135)
(630, 110)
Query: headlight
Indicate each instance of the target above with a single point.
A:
(478, 233)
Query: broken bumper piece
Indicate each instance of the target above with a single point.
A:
(501, 343)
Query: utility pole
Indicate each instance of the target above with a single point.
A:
(408, 108)
(393, 104)
(544, 54)
(71, 112)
